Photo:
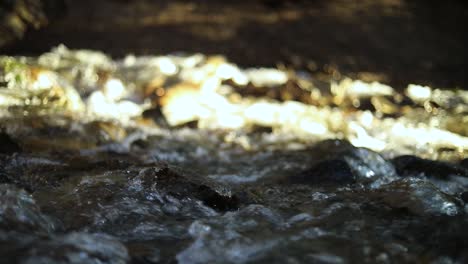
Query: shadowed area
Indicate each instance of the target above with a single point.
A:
(391, 41)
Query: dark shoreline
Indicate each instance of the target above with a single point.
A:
(392, 41)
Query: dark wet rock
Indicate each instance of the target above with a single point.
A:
(261, 235)
(450, 178)
(464, 163)
(77, 248)
(107, 161)
(214, 196)
(303, 225)
(418, 196)
(13, 244)
(442, 236)
(136, 202)
(327, 172)
(370, 168)
(165, 213)
(338, 162)
(3, 174)
(19, 212)
(8, 145)
(464, 197)
(227, 237)
(21, 223)
(32, 172)
(408, 165)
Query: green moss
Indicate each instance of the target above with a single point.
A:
(9, 64)
(13, 72)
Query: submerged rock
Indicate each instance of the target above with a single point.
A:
(408, 165)
(77, 248)
(448, 177)
(32, 172)
(212, 195)
(464, 163)
(418, 196)
(8, 145)
(227, 239)
(333, 171)
(135, 201)
(464, 197)
(260, 234)
(338, 162)
(19, 212)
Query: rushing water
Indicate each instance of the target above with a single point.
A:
(81, 189)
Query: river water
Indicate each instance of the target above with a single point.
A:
(189, 159)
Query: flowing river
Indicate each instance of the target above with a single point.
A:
(190, 159)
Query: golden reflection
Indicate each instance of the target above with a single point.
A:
(359, 137)
(208, 91)
(44, 80)
(418, 93)
(114, 90)
(167, 67)
(313, 128)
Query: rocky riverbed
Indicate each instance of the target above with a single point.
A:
(188, 158)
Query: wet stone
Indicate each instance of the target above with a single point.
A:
(443, 236)
(19, 212)
(227, 238)
(326, 172)
(419, 197)
(412, 166)
(263, 235)
(8, 145)
(32, 172)
(450, 178)
(77, 248)
(464, 197)
(213, 196)
(464, 163)
(139, 202)
(338, 163)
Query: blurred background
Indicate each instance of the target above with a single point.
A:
(327, 131)
(392, 41)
